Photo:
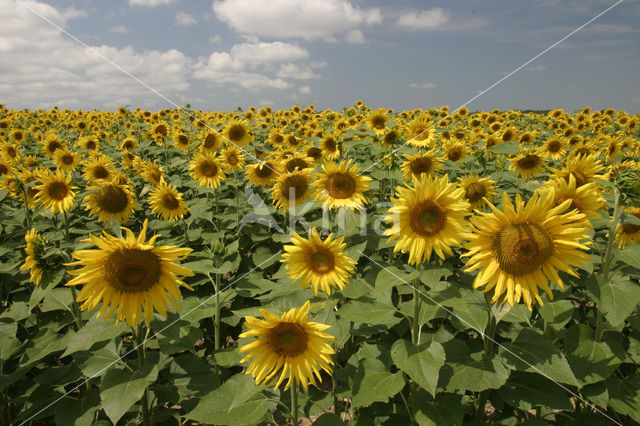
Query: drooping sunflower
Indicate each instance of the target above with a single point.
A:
(521, 248)
(166, 201)
(35, 251)
(290, 345)
(152, 173)
(129, 275)
(237, 132)
(586, 199)
(55, 192)
(477, 189)
(206, 170)
(321, 264)
(262, 174)
(428, 216)
(341, 185)
(112, 201)
(424, 164)
(584, 169)
(291, 189)
(628, 232)
(528, 164)
(66, 160)
(98, 168)
(233, 158)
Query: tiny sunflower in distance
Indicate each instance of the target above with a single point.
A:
(129, 275)
(290, 345)
(521, 248)
(166, 201)
(428, 216)
(341, 185)
(319, 263)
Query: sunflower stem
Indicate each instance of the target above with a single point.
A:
(415, 334)
(66, 226)
(294, 403)
(216, 325)
(608, 258)
(166, 156)
(27, 211)
(142, 359)
(235, 187)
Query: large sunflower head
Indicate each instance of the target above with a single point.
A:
(628, 232)
(35, 250)
(237, 132)
(419, 165)
(290, 345)
(477, 190)
(113, 201)
(291, 189)
(166, 201)
(341, 185)
(428, 216)
(55, 192)
(321, 264)
(128, 276)
(207, 170)
(584, 169)
(586, 199)
(263, 173)
(522, 247)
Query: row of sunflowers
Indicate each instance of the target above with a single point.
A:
(361, 266)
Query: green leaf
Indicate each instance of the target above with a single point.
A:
(618, 299)
(328, 419)
(446, 409)
(121, 389)
(77, 412)
(203, 266)
(591, 361)
(58, 299)
(464, 371)
(96, 362)
(93, 332)
(237, 402)
(535, 353)
(506, 148)
(527, 391)
(557, 313)
(181, 336)
(264, 257)
(630, 255)
(372, 382)
(228, 357)
(366, 311)
(390, 277)
(421, 363)
(624, 395)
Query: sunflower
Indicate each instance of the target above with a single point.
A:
(455, 151)
(152, 173)
(529, 164)
(113, 201)
(206, 170)
(129, 144)
(477, 190)
(160, 131)
(51, 144)
(98, 168)
(522, 248)
(262, 174)
(391, 138)
(584, 169)
(299, 162)
(340, 185)
(129, 275)
(9, 152)
(233, 158)
(291, 189)
(35, 251)
(377, 121)
(55, 192)
(330, 147)
(317, 263)
(66, 160)
(425, 164)
(166, 201)
(428, 216)
(586, 199)
(290, 345)
(628, 232)
(276, 137)
(556, 147)
(420, 133)
(181, 140)
(237, 132)
(89, 143)
(211, 142)
(5, 167)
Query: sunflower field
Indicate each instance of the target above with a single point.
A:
(361, 267)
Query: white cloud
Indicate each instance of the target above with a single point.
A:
(73, 13)
(119, 29)
(266, 102)
(304, 90)
(354, 36)
(422, 85)
(149, 3)
(261, 53)
(215, 39)
(184, 19)
(535, 68)
(296, 71)
(75, 76)
(309, 19)
(423, 19)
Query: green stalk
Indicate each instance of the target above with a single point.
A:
(415, 335)
(27, 211)
(608, 258)
(216, 325)
(66, 226)
(294, 403)
(142, 359)
(237, 183)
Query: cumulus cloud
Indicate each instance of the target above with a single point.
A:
(296, 71)
(184, 19)
(309, 19)
(423, 19)
(354, 36)
(422, 85)
(73, 13)
(305, 90)
(535, 68)
(119, 29)
(149, 3)
(215, 39)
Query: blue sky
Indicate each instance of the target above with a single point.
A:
(219, 55)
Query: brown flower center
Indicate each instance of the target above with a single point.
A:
(67, 159)
(321, 260)
(294, 187)
(288, 338)
(475, 192)
(132, 270)
(58, 190)
(454, 154)
(264, 170)
(314, 152)
(100, 172)
(210, 141)
(554, 146)
(53, 146)
(427, 218)
(170, 202)
(112, 199)
(341, 185)
(378, 122)
(421, 165)
(208, 169)
(522, 248)
(529, 161)
(296, 163)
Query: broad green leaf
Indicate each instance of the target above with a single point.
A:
(618, 299)
(535, 353)
(557, 313)
(264, 257)
(624, 395)
(630, 255)
(179, 337)
(446, 409)
(366, 311)
(507, 148)
(526, 391)
(591, 361)
(421, 363)
(121, 389)
(193, 376)
(237, 402)
(372, 382)
(328, 419)
(466, 371)
(46, 343)
(96, 362)
(391, 276)
(92, 332)
(58, 299)
(77, 412)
